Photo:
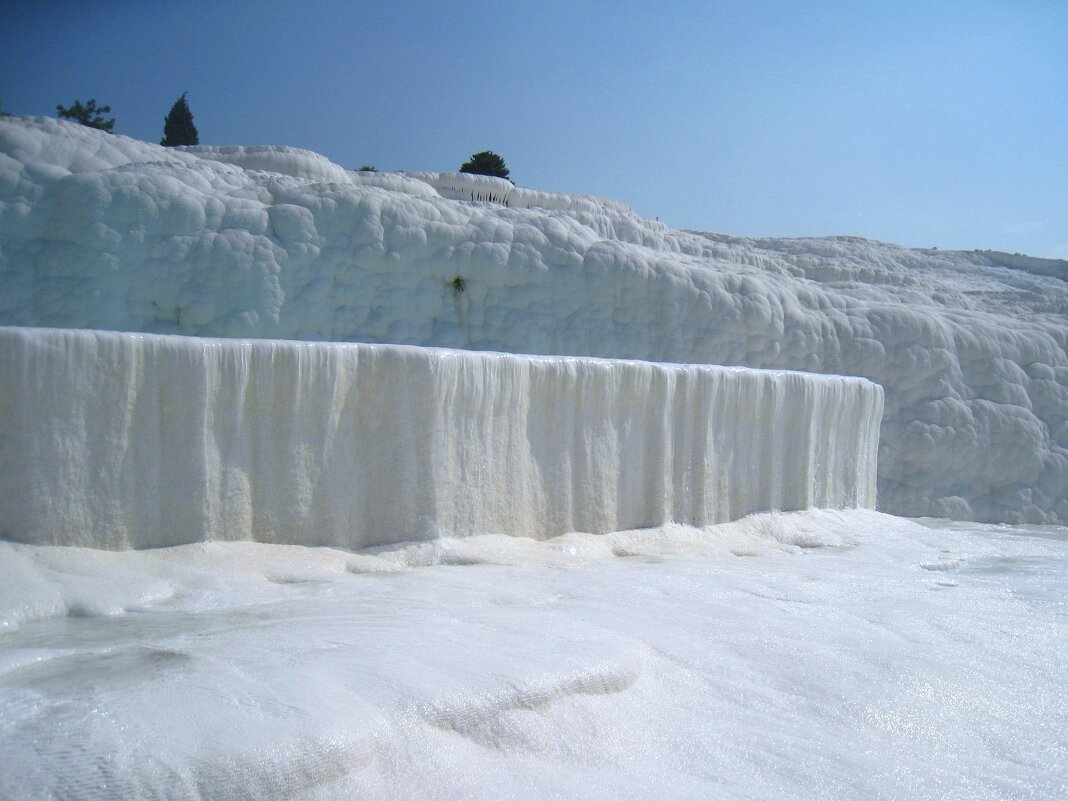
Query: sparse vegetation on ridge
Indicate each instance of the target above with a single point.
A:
(486, 163)
(178, 127)
(89, 115)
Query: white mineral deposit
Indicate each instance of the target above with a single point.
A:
(323, 484)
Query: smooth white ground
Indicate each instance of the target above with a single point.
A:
(106, 232)
(809, 655)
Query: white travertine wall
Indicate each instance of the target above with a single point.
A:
(135, 440)
(971, 348)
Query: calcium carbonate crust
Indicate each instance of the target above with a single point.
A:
(102, 231)
(137, 440)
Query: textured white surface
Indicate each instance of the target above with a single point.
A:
(724, 663)
(105, 232)
(135, 440)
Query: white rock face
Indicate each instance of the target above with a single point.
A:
(104, 232)
(133, 440)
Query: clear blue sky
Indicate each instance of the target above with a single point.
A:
(936, 123)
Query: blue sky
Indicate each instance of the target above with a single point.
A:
(924, 123)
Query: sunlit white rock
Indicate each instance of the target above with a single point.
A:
(102, 231)
(137, 440)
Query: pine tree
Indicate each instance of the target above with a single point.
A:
(88, 115)
(178, 127)
(485, 163)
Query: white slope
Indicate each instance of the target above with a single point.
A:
(913, 664)
(105, 232)
(133, 440)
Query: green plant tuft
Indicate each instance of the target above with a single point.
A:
(486, 163)
(89, 115)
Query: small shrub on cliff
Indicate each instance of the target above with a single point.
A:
(485, 163)
(89, 115)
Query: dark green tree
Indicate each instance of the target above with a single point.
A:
(178, 127)
(485, 163)
(88, 115)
